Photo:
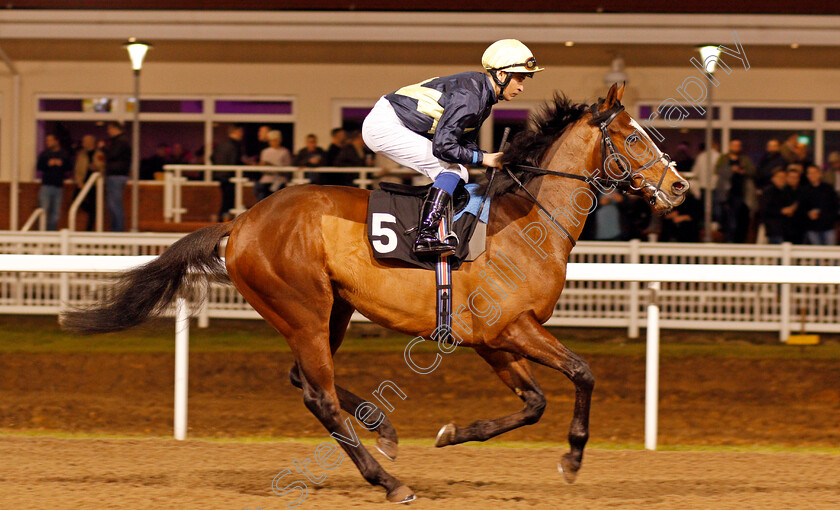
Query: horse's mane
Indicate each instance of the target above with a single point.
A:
(529, 146)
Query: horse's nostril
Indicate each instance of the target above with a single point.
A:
(679, 187)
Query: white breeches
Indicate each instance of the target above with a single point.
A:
(385, 133)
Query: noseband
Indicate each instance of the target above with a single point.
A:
(608, 152)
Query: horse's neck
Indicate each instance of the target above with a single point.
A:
(572, 154)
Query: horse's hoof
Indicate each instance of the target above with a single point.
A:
(387, 448)
(568, 468)
(401, 494)
(446, 436)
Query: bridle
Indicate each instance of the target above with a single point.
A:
(608, 152)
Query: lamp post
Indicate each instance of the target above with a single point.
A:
(709, 54)
(136, 52)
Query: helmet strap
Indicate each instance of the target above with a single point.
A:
(502, 84)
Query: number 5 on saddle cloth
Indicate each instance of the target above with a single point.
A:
(394, 209)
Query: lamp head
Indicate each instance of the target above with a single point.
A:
(137, 52)
(709, 54)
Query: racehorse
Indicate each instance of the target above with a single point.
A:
(302, 260)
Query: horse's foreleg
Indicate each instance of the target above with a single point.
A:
(514, 372)
(387, 441)
(527, 337)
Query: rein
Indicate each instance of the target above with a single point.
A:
(608, 151)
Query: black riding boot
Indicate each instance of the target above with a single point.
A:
(436, 205)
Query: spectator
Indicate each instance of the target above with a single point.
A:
(818, 204)
(53, 167)
(153, 165)
(339, 139)
(682, 225)
(311, 156)
(273, 155)
(179, 156)
(777, 207)
(262, 141)
(683, 159)
(608, 224)
(770, 160)
(89, 160)
(635, 216)
(803, 155)
(228, 152)
(832, 170)
(788, 149)
(117, 167)
(702, 177)
(353, 154)
(796, 234)
(734, 192)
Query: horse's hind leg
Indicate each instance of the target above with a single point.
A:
(320, 397)
(513, 371)
(340, 315)
(387, 441)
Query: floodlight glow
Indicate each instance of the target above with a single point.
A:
(136, 52)
(706, 51)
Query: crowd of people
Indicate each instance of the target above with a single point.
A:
(57, 163)
(64, 159)
(784, 197)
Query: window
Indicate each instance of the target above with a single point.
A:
(195, 123)
(766, 113)
(254, 107)
(646, 110)
(353, 116)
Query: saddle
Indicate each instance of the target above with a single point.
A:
(395, 208)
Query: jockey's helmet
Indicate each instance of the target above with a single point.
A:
(511, 56)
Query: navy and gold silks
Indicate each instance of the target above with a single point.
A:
(449, 111)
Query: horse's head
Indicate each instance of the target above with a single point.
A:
(629, 158)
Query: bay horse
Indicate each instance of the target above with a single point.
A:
(302, 260)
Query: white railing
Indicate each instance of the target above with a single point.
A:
(173, 181)
(39, 215)
(621, 304)
(653, 274)
(95, 179)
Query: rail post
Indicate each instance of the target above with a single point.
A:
(784, 329)
(633, 312)
(100, 203)
(652, 369)
(182, 342)
(64, 278)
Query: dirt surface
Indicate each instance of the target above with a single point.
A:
(163, 474)
(703, 399)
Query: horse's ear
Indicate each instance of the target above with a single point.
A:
(612, 97)
(620, 93)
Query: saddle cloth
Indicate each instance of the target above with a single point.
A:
(395, 208)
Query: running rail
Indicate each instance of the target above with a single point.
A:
(652, 274)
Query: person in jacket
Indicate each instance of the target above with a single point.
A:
(432, 127)
(117, 168)
(53, 167)
(818, 202)
(777, 207)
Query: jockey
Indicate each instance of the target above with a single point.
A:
(432, 127)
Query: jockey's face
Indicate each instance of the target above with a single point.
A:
(516, 85)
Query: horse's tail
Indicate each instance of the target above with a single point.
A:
(144, 292)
